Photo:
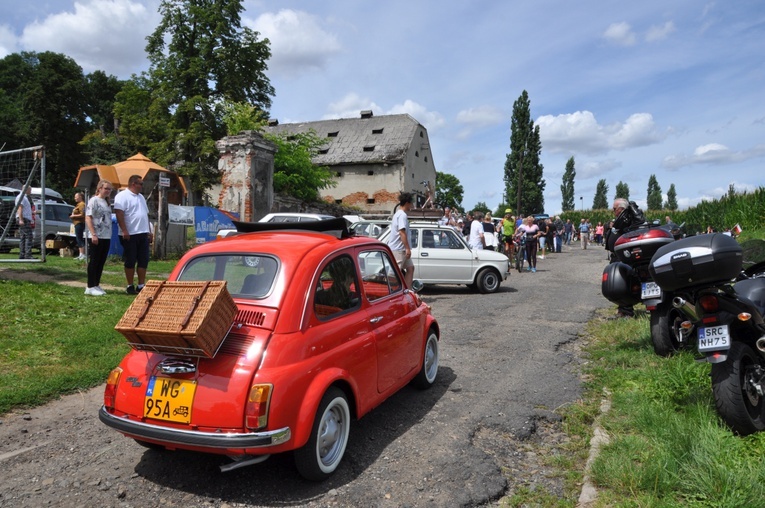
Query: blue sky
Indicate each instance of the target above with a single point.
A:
(629, 89)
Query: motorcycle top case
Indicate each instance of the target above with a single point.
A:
(620, 285)
(639, 246)
(697, 260)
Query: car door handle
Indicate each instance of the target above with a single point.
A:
(423, 254)
(376, 319)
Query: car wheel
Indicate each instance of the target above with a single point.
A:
(429, 370)
(321, 455)
(488, 281)
(251, 261)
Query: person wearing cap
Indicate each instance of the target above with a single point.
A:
(508, 230)
(460, 226)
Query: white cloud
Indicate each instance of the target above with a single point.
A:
(350, 106)
(714, 154)
(620, 33)
(7, 41)
(432, 120)
(580, 132)
(482, 116)
(596, 169)
(659, 32)
(108, 35)
(298, 42)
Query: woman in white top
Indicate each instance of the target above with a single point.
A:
(98, 220)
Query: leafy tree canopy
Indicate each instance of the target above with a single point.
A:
(600, 201)
(654, 199)
(567, 187)
(622, 190)
(449, 191)
(671, 203)
(522, 167)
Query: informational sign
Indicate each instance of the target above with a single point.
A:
(164, 181)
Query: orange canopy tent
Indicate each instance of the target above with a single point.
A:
(119, 174)
(149, 170)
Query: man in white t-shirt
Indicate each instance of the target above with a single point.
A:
(133, 219)
(476, 239)
(398, 241)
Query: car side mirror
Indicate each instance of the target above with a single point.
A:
(417, 285)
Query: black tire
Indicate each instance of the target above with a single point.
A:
(519, 260)
(733, 386)
(429, 369)
(665, 330)
(488, 281)
(319, 458)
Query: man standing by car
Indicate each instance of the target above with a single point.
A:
(398, 241)
(133, 219)
(25, 217)
(476, 240)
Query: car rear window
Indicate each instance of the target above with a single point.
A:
(250, 276)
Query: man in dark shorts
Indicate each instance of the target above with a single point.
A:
(133, 219)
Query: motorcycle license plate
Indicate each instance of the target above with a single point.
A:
(169, 399)
(650, 290)
(714, 338)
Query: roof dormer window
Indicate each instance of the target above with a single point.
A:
(369, 148)
(333, 134)
(377, 131)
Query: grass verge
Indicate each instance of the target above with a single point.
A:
(55, 340)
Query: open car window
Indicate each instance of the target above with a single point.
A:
(337, 289)
(250, 276)
(378, 275)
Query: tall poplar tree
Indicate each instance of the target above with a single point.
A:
(622, 191)
(654, 199)
(567, 187)
(522, 167)
(671, 203)
(600, 201)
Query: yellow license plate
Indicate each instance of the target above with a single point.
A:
(169, 399)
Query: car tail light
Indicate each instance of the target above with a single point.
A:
(110, 393)
(256, 412)
(709, 303)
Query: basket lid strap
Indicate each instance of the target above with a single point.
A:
(147, 303)
(194, 304)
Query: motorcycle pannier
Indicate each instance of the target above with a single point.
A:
(695, 261)
(620, 285)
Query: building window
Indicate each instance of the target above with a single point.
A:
(324, 151)
(369, 148)
(370, 173)
(339, 174)
(338, 201)
(422, 135)
(333, 134)
(426, 158)
(377, 131)
(371, 201)
(416, 154)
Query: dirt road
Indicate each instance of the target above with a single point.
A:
(508, 361)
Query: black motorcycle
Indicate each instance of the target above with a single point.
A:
(628, 281)
(728, 315)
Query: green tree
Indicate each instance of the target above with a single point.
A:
(449, 191)
(522, 167)
(481, 206)
(622, 191)
(294, 173)
(671, 203)
(567, 187)
(42, 102)
(200, 58)
(654, 199)
(600, 201)
(103, 144)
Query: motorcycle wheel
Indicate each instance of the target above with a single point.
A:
(734, 387)
(665, 330)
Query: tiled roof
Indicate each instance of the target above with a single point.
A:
(359, 140)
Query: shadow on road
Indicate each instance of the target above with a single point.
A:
(276, 480)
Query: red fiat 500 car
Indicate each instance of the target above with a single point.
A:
(325, 331)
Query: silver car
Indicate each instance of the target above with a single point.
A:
(441, 256)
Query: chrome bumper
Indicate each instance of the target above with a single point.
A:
(193, 437)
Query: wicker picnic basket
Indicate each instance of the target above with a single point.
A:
(186, 318)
